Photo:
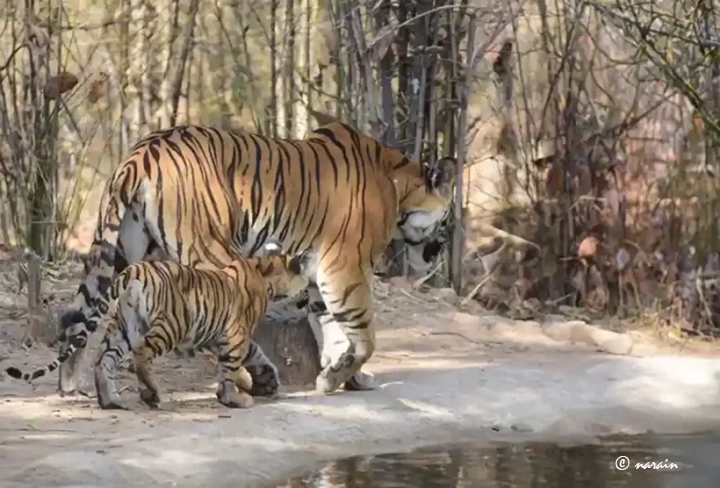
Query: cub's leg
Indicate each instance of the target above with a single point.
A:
(346, 293)
(332, 341)
(115, 345)
(235, 381)
(157, 342)
(126, 325)
(265, 375)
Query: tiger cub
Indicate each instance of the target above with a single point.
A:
(163, 305)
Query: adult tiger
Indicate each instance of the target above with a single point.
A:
(201, 194)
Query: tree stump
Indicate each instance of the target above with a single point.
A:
(286, 337)
(39, 327)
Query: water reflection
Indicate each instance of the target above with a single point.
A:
(531, 465)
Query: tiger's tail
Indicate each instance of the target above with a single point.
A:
(103, 260)
(14, 372)
(102, 263)
(103, 308)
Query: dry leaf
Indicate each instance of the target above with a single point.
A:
(97, 88)
(622, 258)
(584, 180)
(588, 248)
(555, 181)
(502, 60)
(59, 84)
(612, 198)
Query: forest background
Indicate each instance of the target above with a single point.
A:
(588, 130)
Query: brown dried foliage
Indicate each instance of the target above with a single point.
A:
(59, 84)
(97, 88)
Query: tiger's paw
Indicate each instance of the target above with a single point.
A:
(109, 401)
(324, 386)
(265, 381)
(235, 399)
(360, 382)
(112, 405)
(150, 398)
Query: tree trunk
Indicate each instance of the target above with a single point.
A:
(140, 66)
(183, 56)
(170, 18)
(387, 70)
(289, 72)
(302, 79)
(285, 335)
(457, 241)
(43, 115)
(274, 96)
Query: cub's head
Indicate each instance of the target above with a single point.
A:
(425, 205)
(286, 276)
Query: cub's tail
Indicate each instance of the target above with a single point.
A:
(76, 342)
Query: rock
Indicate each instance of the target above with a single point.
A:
(582, 333)
(611, 342)
(446, 294)
(467, 319)
(287, 339)
(562, 331)
(401, 282)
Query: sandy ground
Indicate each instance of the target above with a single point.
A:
(444, 375)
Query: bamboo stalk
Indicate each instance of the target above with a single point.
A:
(462, 148)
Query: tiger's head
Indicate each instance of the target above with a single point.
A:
(425, 200)
(286, 276)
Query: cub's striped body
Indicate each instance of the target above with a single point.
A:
(202, 195)
(155, 307)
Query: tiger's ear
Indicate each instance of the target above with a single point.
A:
(440, 177)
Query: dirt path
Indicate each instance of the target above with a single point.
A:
(443, 376)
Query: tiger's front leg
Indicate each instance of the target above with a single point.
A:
(265, 375)
(112, 350)
(332, 341)
(156, 343)
(233, 389)
(235, 382)
(347, 298)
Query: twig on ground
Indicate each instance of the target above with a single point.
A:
(475, 290)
